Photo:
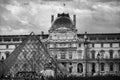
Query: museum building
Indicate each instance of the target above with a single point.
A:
(81, 54)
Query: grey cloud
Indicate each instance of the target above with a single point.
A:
(36, 17)
(5, 1)
(104, 0)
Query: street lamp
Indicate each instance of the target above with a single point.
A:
(2, 67)
(86, 45)
(98, 57)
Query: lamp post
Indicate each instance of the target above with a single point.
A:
(2, 67)
(98, 57)
(85, 45)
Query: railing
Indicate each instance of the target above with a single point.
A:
(63, 47)
(89, 60)
(18, 78)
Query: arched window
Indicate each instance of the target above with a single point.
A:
(79, 68)
(102, 66)
(70, 55)
(119, 66)
(111, 67)
(7, 53)
(93, 54)
(93, 68)
(0, 53)
(63, 55)
(111, 53)
(102, 52)
(119, 53)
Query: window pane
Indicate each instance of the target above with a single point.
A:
(93, 54)
(63, 55)
(102, 66)
(111, 53)
(111, 66)
(70, 55)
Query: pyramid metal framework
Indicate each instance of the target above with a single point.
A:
(30, 55)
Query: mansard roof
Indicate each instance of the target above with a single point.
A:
(62, 20)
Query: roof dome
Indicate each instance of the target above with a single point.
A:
(63, 20)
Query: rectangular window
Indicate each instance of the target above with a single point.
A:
(79, 45)
(7, 46)
(0, 39)
(70, 55)
(101, 44)
(106, 45)
(12, 46)
(63, 55)
(79, 54)
(93, 45)
(110, 44)
(2, 46)
(119, 66)
(7, 39)
(111, 67)
(115, 45)
(92, 38)
(16, 39)
(101, 38)
(97, 45)
(93, 54)
(111, 38)
(111, 55)
(102, 66)
(118, 38)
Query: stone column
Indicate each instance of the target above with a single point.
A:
(106, 68)
(84, 68)
(88, 68)
(74, 69)
(115, 68)
(98, 68)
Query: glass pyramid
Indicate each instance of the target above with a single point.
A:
(30, 55)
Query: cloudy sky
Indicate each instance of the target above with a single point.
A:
(24, 16)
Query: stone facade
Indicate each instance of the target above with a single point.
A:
(81, 54)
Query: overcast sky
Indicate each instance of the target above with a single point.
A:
(24, 16)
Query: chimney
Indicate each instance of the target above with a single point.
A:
(52, 18)
(74, 20)
(42, 34)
